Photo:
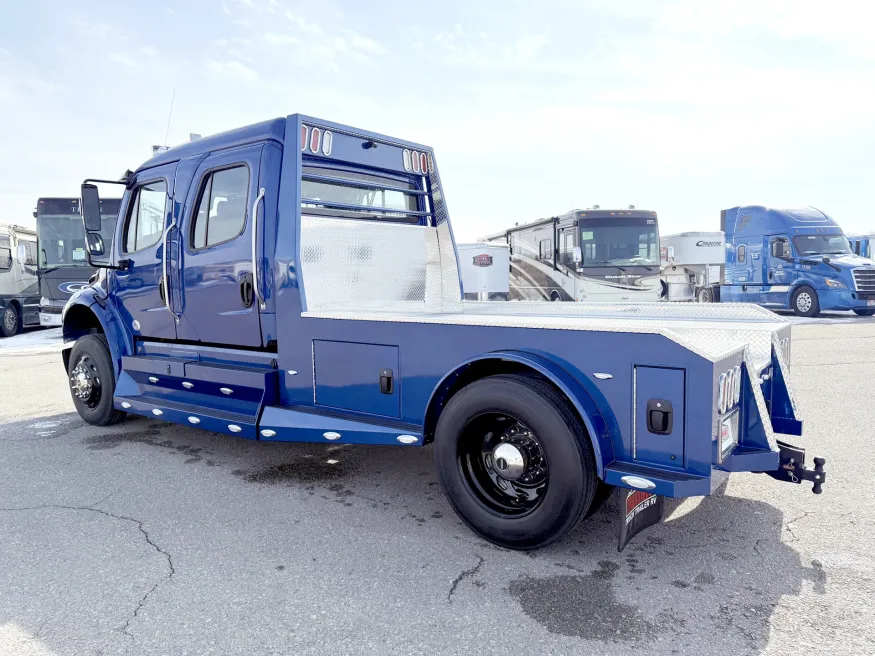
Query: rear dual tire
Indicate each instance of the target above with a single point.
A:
(528, 501)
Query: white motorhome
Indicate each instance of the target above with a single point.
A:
(589, 255)
(485, 271)
(692, 265)
(19, 285)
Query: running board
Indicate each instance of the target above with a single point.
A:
(219, 397)
(289, 424)
(657, 481)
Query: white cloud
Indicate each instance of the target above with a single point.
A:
(303, 24)
(121, 58)
(366, 44)
(281, 39)
(233, 69)
(529, 46)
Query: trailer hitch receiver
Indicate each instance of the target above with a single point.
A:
(792, 467)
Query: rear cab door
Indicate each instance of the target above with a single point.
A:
(219, 303)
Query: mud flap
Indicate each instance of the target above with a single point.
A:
(638, 510)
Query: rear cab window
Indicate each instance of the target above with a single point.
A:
(221, 214)
(358, 195)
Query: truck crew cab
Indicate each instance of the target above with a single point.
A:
(297, 280)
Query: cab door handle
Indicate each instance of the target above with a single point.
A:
(247, 290)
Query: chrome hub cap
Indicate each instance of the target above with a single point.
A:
(510, 463)
(85, 381)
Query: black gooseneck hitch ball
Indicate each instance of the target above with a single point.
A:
(816, 475)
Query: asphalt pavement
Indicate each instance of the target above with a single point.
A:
(148, 538)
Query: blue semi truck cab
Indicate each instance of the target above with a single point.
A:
(794, 259)
(298, 280)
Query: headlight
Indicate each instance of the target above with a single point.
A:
(835, 284)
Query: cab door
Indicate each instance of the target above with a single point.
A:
(139, 288)
(778, 269)
(219, 304)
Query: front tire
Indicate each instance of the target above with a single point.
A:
(92, 382)
(11, 321)
(704, 295)
(864, 313)
(515, 461)
(805, 303)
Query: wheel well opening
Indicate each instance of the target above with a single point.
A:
(468, 374)
(80, 320)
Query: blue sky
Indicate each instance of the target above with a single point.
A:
(682, 106)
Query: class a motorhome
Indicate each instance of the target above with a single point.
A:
(591, 255)
(19, 286)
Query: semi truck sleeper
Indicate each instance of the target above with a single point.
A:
(298, 280)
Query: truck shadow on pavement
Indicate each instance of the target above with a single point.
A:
(709, 574)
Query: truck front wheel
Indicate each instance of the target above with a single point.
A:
(92, 383)
(515, 461)
(805, 303)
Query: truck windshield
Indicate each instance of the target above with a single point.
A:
(61, 234)
(821, 244)
(619, 242)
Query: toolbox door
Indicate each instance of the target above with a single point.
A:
(659, 412)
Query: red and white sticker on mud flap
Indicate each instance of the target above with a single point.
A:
(639, 510)
(483, 260)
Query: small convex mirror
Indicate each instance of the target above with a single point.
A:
(95, 244)
(576, 255)
(90, 208)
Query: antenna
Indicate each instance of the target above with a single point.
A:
(169, 116)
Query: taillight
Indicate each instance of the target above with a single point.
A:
(416, 162)
(304, 133)
(423, 162)
(315, 136)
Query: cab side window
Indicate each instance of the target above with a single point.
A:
(145, 221)
(221, 213)
(781, 248)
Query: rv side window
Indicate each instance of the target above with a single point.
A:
(5, 254)
(221, 214)
(545, 249)
(741, 253)
(146, 219)
(30, 253)
(566, 249)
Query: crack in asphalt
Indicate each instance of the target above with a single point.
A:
(125, 628)
(794, 520)
(465, 573)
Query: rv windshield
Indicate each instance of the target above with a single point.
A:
(619, 242)
(61, 234)
(821, 244)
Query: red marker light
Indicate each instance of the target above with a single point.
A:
(423, 163)
(304, 131)
(315, 135)
(416, 161)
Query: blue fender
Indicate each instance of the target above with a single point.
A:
(90, 311)
(597, 417)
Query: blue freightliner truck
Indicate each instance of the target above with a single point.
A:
(297, 280)
(795, 259)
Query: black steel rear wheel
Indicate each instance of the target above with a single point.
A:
(515, 461)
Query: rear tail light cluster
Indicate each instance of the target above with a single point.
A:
(316, 140)
(421, 163)
(729, 390)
